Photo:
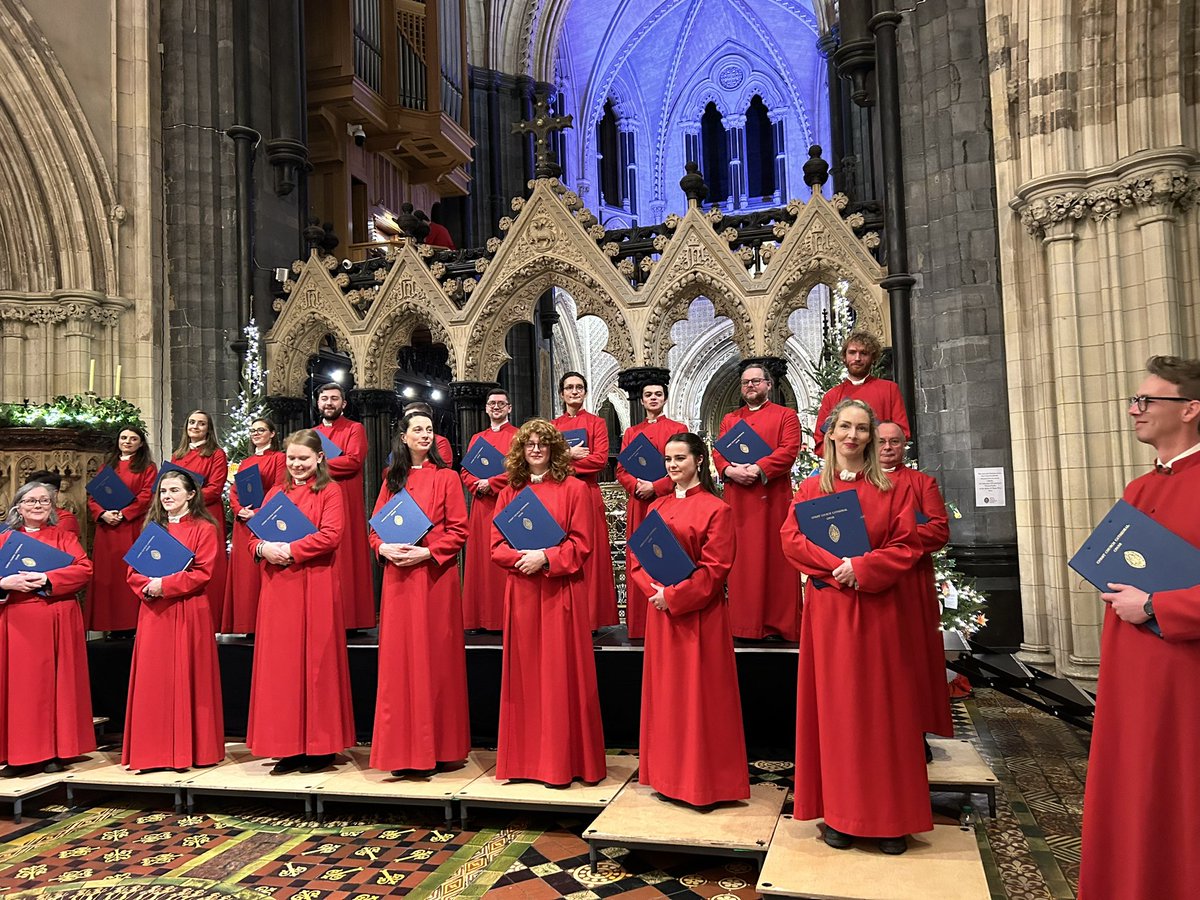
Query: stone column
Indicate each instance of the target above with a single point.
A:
(77, 330)
(469, 398)
(735, 132)
(377, 410)
(631, 381)
(779, 133)
(12, 373)
(288, 413)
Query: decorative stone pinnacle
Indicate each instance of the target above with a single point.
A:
(693, 183)
(816, 170)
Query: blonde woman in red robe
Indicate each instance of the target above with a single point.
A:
(240, 609)
(422, 719)
(199, 451)
(689, 676)
(550, 728)
(112, 606)
(300, 708)
(173, 718)
(45, 699)
(860, 763)
(657, 428)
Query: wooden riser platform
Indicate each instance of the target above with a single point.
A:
(957, 766)
(943, 863)
(638, 819)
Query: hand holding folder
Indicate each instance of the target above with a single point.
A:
(575, 437)
(401, 520)
(24, 553)
(109, 491)
(328, 447)
(281, 520)
(249, 484)
(527, 525)
(834, 522)
(157, 554)
(742, 445)
(483, 460)
(642, 460)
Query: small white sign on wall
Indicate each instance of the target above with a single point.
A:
(989, 486)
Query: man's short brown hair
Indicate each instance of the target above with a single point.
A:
(1179, 371)
(866, 340)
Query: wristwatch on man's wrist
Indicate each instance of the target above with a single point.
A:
(1148, 606)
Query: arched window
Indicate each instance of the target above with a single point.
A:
(760, 151)
(715, 145)
(608, 159)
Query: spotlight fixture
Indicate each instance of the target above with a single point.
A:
(409, 393)
(435, 395)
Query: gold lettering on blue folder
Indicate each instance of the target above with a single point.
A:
(1135, 560)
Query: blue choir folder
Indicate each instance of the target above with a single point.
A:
(328, 447)
(483, 460)
(575, 437)
(527, 525)
(157, 554)
(401, 520)
(25, 553)
(1129, 547)
(922, 519)
(659, 551)
(642, 459)
(742, 444)
(281, 520)
(169, 466)
(835, 523)
(109, 491)
(249, 484)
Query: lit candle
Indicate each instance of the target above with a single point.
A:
(117, 382)
(92, 376)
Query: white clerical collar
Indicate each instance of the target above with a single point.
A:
(537, 479)
(29, 529)
(651, 421)
(298, 482)
(126, 457)
(328, 423)
(174, 520)
(891, 470)
(847, 475)
(416, 466)
(858, 382)
(496, 428)
(755, 408)
(1195, 448)
(259, 451)
(680, 493)
(192, 445)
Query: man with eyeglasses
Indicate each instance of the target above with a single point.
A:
(1140, 813)
(483, 580)
(764, 590)
(860, 352)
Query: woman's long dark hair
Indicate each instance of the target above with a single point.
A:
(402, 459)
(196, 507)
(211, 443)
(699, 451)
(141, 457)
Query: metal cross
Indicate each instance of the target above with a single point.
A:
(543, 125)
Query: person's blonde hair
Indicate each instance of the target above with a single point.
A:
(307, 437)
(210, 445)
(556, 444)
(872, 471)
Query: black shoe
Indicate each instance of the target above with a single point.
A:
(11, 771)
(893, 846)
(415, 773)
(838, 840)
(474, 632)
(52, 765)
(289, 764)
(928, 751)
(316, 763)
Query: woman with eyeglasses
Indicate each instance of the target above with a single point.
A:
(174, 718)
(112, 606)
(422, 719)
(199, 451)
(550, 728)
(860, 759)
(240, 609)
(45, 698)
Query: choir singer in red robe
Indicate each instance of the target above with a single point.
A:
(422, 720)
(1140, 817)
(588, 461)
(483, 580)
(550, 729)
(860, 351)
(353, 559)
(657, 428)
(300, 708)
(199, 451)
(174, 718)
(764, 594)
(859, 762)
(689, 676)
(112, 606)
(245, 577)
(45, 699)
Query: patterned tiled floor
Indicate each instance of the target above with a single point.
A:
(123, 848)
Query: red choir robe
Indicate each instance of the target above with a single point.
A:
(635, 511)
(923, 627)
(859, 759)
(483, 580)
(45, 697)
(881, 395)
(215, 470)
(421, 710)
(67, 521)
(111, 604)
(550, 728)
(764, 593)
(353, 559)
(689, 676)
(240, 609)
(174, 718)
(300, 685)
(444, 448)
(1140, 817)
(597, 566)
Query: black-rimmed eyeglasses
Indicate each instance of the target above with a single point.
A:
(1141, 401)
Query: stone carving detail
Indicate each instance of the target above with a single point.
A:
(393, 331)
(677, 297)
(1174, 189)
